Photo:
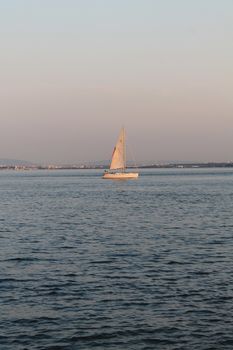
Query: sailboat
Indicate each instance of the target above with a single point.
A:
(118, 162)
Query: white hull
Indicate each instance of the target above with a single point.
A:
(120, 176)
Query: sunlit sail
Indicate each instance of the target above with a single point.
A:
(118, 155)
(118, 161)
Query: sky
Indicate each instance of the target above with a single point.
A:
(72, 72)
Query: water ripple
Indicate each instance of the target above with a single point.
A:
(138, 265)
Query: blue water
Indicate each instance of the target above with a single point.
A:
(88, 263)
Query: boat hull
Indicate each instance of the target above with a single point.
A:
(120, 176)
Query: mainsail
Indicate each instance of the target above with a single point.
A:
(118, 156)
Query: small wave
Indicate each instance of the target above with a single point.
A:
(55, 347)
(159, 341)
(101, 262)
(226, 342)
(176, 262)
(23, 259)
(126, 333)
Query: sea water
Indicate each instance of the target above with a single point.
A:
(87, 263)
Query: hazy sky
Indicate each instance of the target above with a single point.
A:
(73, 71)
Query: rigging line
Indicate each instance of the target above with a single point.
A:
(133, 157)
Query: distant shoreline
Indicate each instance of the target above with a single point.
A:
(101, 167)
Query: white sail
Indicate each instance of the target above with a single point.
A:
(118, 155)
(119, 162)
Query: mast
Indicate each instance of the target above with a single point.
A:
(119, 153)
(124, 149)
